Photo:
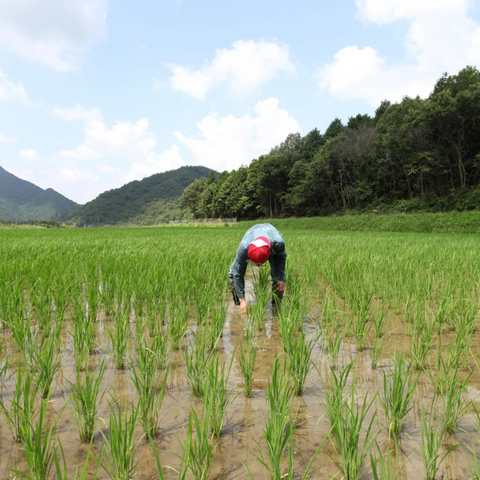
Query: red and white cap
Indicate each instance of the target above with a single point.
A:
(259, 250)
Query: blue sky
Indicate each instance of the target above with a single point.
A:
(96, 93)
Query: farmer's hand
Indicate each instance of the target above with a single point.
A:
(281, 286)
(243, 304)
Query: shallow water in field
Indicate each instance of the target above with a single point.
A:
(241, 440)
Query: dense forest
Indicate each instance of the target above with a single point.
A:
(418, 154)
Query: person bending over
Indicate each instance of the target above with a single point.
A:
(262, 242)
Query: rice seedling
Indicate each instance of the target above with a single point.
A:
(422, 341)
(161, 305)
(300, 360)
(197, 359)
(92, 294)
(328, 315)
(455, 401)
(218, 397)
(296, 307)
(379, 316)
(60, 296)
(119, 458)
(46, 362)
(20, 410)
(217, 319)
(4, 363)
(84, 326)
(432, 434)
(332, 343)
(120, 335)
(107, 287)
(376, 351)
(250, 328)
(24, 334)
(42, 301)
(408, 317)
(287, 332)
(397, 395)
(86, 398)
(177, 327)
(361, 309)
(465, 327)
(347, 429)
(199, 445)
(161, 348)
(150, 389)
(247, 365)
(441, 376)
(202, 301)
(279, 423)
(39, 443)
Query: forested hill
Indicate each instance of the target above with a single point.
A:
(153, 200)
(23, 201)
(415, 155)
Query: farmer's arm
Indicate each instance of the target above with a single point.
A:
(239, 268)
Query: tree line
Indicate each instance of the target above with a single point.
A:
(418, 154)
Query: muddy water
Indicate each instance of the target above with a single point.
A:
(241, 440)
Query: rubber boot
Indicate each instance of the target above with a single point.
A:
(277, 298)
(236, 301)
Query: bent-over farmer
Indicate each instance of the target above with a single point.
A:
(262, 242)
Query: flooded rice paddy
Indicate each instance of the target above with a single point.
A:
(332, 313)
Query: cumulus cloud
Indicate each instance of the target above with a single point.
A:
(245, 66)
(133, 142)
(82, 152)
(155, 163)
(10, 90)
(441, 37)
(226, 143)
(30, 155)
(79, 113)
(52, 32)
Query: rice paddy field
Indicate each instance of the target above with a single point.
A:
(123, 356)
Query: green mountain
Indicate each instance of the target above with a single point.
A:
(24, 201)
(149, 201)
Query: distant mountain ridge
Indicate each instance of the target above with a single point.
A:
(150, 201)
(22, 200)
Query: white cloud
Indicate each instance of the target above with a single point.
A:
(133, 142)
(82, 152)
(52, 32)
(30, 155)
(229, 142)
(155, 163)
(6, 139)
(101, 167)
(10, 90)
(79, 113)
(245, 66)
(441, 37)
